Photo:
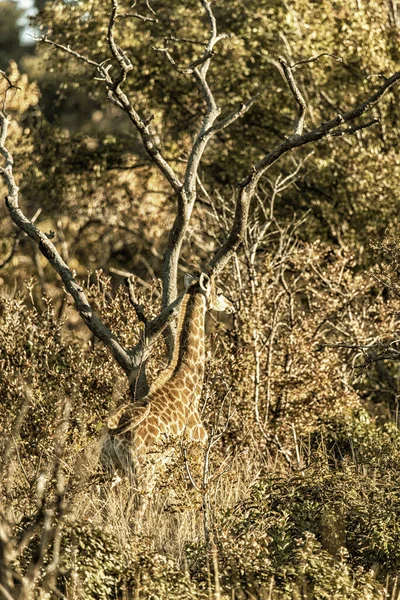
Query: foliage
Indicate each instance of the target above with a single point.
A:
(324, 525)
(327, 515)
(341, 184)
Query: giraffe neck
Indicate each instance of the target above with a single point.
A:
(189, 334)
(189, 354)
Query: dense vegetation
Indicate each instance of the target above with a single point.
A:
(300, 497)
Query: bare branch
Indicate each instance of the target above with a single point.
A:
(302, 107)
(120, 99)
(248, 185)
(187, 197)
(69, 50)
(372, 352)
(119, 55)
(354, 128)
(48, 250)
(139, 310)
(153, 12)
(10, 87)
(122, 272)
(317, 133)
(212, 111)
(237, 232)
(137, 16)
(117, 96)
(172, 38)
(155, 326)
(315, 58)
(171, 60)
(5, 76)
(234, 115)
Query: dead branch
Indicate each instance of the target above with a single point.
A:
(139, 309)
(16, 239)
(48, 250)
(11, 86)
(314, 59)
(248, 185)
(302, 107)
(354, 128)
(116, 95)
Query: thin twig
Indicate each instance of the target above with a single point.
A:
(70, 51)
(354, 128)
(302, 107)
(136, 16)
(314, 58)
(139, 309)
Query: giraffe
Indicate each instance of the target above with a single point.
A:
(140, 439)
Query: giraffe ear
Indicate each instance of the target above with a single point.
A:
(220, 303)
(188, 279)
(204, 282)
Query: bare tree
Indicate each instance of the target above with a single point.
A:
(184, 184)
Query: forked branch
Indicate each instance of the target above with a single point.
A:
(130, 360)
(49, 250)
(249, 183)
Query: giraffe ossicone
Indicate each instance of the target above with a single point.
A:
(141, 439)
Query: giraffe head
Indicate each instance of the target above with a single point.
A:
(215, 300)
